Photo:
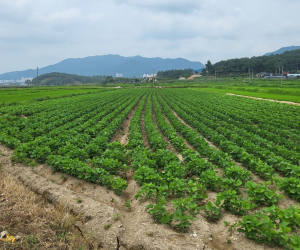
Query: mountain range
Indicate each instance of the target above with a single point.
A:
(282, 50)
(108, 65)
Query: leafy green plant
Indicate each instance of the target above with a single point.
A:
(213, 211)
(211, 180)
(231, 226)
(106, 226)
(117, 216)
(232, 184)
(291, 187)
(196, 190)
(159, 212)
(272, 226)
(182, 206)
(234, 203)
(127, 204)
(238, 173)
(261, 194)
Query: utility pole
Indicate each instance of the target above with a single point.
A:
(37, 74)
(252, 73)
(153, 78)
(281, 75)
(249, 74)
(215, 74)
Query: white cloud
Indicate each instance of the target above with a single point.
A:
(38, 33)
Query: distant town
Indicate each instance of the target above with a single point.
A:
(21, 81)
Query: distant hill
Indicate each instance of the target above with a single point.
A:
(289, 60)
(108, 65)
(282, 50)
(63, 79)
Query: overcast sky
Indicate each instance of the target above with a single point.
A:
(37, 33)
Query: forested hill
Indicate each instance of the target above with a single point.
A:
(63, 79)
(282, 50)
(289, 60)
(174, 73)
(108, 65)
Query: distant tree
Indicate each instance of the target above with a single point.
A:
(290, 60)
(209, 66)
(174, 73)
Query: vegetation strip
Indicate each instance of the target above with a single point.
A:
(72, 136)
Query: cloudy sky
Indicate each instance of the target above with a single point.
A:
(37, 33)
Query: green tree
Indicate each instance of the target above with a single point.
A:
(209, 66)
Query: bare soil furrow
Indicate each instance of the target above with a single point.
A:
(284, 203)
(169, 146)
(123, 131)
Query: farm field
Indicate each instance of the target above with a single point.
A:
(261, 88)
(291, 95)
(21, 95)
(163, 169)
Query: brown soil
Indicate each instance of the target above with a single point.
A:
(123, 131)
(98, 207)
(270, 100)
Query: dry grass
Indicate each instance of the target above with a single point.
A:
(40, 224)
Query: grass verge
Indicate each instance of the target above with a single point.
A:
(40, 224)
(279, 97)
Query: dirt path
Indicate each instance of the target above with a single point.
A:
(270, 100)
(123, 131)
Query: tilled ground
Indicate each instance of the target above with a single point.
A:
(102, 220)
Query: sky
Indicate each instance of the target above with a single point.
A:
(37, 33)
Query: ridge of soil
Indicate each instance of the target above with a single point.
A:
(99, 206)
(144, 133)
(284, 203)
(187, 144)
(263, 99)
(123, 131)
(169, 146)
(186, 124)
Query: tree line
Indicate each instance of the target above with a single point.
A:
(55, 78)
(174, 73)
(64, 79)
(289, 60)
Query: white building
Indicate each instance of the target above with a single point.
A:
(148, 75)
